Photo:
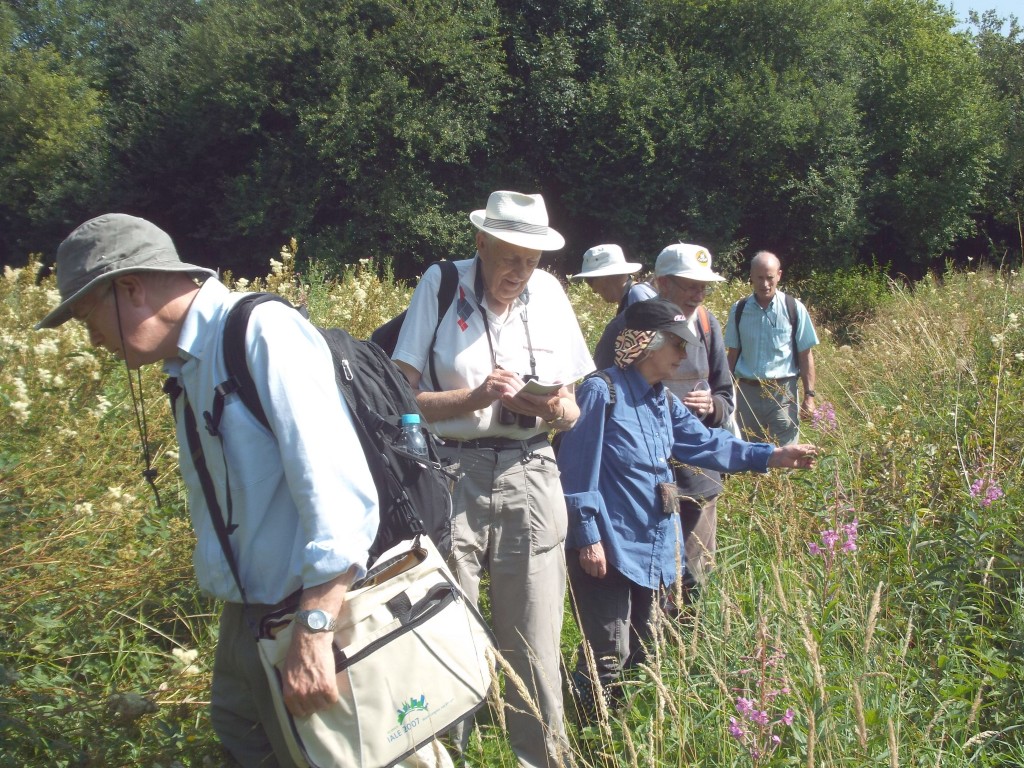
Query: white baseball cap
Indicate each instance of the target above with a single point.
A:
(604, 260)
(684, 260)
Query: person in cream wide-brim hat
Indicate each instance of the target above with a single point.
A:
(508, 322)
(609, 276)
(518, 219)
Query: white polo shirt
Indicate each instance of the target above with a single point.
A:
(462, 355)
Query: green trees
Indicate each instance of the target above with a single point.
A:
(49, 129)
(833, 131)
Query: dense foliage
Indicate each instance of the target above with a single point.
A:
(869, 612)
(836, 132)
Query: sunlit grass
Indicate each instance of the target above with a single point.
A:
(905, 650)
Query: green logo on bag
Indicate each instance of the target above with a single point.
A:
(412, 706)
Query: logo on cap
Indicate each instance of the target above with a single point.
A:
(703, 258)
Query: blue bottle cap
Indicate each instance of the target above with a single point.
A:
(410, 418)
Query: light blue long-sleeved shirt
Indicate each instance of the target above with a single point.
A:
(611, 467)
(765, 340)
(302, 496)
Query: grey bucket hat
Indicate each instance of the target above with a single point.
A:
(103, 248)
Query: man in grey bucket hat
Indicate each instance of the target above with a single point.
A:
(303, 506)
(103, 248)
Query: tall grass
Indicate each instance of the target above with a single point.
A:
(899, 644)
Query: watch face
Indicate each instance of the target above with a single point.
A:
(316, 620)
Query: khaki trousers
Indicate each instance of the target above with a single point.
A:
(510, 521)
(769, 411)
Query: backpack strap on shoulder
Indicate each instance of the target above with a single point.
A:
(791, 311)
(611, 390)
(445, 297)
(236, 362)
(705, 327)
(738, 313)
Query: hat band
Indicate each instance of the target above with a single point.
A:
(516, 226)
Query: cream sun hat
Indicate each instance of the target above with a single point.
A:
(518, 219)
(604, 260)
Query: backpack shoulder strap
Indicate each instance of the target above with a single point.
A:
(239, 376)
(611, 390)
(739, 305)
(791, 311)
(705, 327)
(445, 297)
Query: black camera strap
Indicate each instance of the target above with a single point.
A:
(478, 288)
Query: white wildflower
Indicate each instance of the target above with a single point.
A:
(20, 410)
(276, 267)
(11, 274)
(101, 407)
(187, 660)
(46, 344)
(84, 508)
(241, 283)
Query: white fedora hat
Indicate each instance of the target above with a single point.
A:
(518, 219)
(684, 260)
(604, 260)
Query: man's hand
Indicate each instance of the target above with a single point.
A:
(547, 407)
(793, 456)
(593, 561)
(499, 385)
(307, 678)
(807, 408)
(700, 402)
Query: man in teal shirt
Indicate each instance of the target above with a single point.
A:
(768, 349)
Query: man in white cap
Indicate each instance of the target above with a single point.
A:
(302, 509)
(771, 344)
(608, 274)
(702, 381)
(509, 322)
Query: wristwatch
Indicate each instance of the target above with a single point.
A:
(809, 393)
(316, 620)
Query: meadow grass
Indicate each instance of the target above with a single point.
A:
(870, 612)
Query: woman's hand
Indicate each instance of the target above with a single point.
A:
(793, 456)
(592, 560)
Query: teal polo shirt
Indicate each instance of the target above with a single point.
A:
(766, 351)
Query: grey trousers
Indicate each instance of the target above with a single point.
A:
(614, 615)
(242, 710)
(769, 411)
(510, 521)
(700, 531)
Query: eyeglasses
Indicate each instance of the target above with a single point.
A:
(691, 286)
(100, 298)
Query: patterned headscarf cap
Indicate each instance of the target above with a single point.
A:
(630, 344)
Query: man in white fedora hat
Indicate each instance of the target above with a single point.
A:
(510, 322)
(609, 275)
(303, 510)
(702, 381)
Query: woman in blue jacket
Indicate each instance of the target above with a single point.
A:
(616, 464)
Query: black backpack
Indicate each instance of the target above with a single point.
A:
(386, 336)
(414, 495)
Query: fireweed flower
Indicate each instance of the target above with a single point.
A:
(824, 418)
(986, 491)
(754, 726)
